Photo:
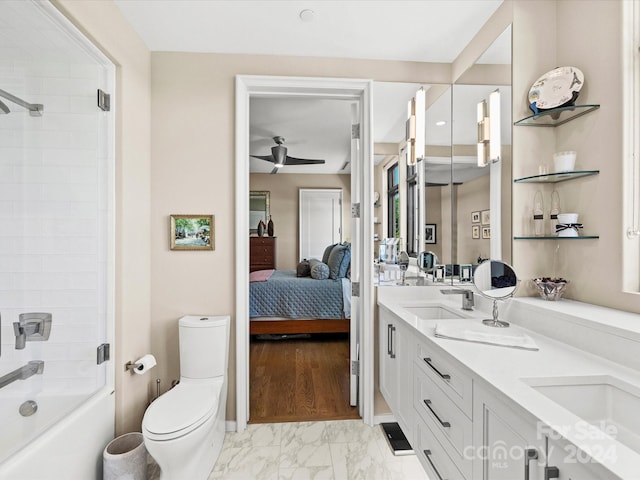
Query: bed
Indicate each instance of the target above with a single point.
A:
(282, 303)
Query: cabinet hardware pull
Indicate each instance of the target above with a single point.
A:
(427, 402)
(530, 454)
(427, 453)
(444, 376)
(389, 339)
(393, 344)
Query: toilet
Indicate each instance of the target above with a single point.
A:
(184, 429)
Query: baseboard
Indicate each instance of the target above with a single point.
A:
(230, 426)
(384, 418)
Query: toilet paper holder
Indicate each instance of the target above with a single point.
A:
(142, 365)
(131, 366)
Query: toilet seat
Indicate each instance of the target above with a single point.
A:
(182, 409)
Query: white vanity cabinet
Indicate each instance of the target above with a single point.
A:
(395, 368)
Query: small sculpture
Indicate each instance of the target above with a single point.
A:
(261, 227)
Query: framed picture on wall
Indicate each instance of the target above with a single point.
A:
(485, 216)
(475, 232)
(475, 217)
(486, 232)
(192, 232)
(430, 233)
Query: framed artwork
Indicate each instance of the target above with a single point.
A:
(430, 233)
(192, 232)
(475, 232)
(475, 217)
(486, 232)
(485, 217)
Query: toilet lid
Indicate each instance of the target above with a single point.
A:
(182, 408)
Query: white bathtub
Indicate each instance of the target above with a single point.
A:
(70, 449)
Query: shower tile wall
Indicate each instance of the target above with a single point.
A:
(54, 209)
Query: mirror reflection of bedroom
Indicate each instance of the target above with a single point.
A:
(300, 251)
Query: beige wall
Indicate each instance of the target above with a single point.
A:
(193, 171)
(103, 22)
(473, 196)
(594, 45)
(284, 208)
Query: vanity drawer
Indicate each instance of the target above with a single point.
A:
(447, 422)
(448, 376)
(433, 457)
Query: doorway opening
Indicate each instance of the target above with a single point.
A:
(359, 92)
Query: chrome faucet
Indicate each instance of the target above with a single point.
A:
(32, 327)
(34, 367)
(467, 296)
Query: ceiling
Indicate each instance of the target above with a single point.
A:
(365, 29)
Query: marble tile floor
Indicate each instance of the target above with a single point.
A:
(334, 450)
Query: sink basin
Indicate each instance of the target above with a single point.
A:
(603, 401)
(432, 312)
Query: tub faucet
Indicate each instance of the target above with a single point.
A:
(467, 296)
(32, 327)
(34, 367)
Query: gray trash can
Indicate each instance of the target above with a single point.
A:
(125, 458)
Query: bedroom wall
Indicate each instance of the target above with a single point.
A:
(284, 207)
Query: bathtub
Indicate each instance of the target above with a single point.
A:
(70, 448)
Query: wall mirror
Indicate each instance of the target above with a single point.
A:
(471, 205)
(258, 209)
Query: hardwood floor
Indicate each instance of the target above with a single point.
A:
(296, 380)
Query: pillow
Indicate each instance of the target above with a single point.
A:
(327, 252)
(339, 261)
(319, 270)
(303, 269)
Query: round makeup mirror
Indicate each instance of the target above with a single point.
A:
(497, 281)
(426, 261)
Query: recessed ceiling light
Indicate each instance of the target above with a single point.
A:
(441, 123)
(307, 15)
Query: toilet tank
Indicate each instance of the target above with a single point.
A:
(204, 346)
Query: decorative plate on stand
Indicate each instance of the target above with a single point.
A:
(558, 88)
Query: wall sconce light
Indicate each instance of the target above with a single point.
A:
(489, 142)
(416, 127)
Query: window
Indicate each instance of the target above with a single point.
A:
(413, 207)
(393, 203)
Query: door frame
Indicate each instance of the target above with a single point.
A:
(359, 90)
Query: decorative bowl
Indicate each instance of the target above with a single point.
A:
(551, 288)
(564, 161)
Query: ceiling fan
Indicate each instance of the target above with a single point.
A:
(280, 158)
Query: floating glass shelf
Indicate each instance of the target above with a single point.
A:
(553, 237)
(556, 177)
(556, 116)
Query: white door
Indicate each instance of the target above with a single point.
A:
(356, 238)
(320, 220)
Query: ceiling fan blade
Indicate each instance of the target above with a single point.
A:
(302, 161)
(268, 158)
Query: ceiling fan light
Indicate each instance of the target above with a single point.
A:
(279, 165)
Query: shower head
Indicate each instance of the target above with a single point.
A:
(35, 109)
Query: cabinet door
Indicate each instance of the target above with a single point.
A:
(387, 375)
(504, 441)
(402, 342)
(396, 360)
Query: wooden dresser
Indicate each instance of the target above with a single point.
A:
(262, 253)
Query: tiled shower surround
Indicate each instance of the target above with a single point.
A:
(55, 207)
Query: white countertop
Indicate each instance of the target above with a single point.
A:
(502, 368)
